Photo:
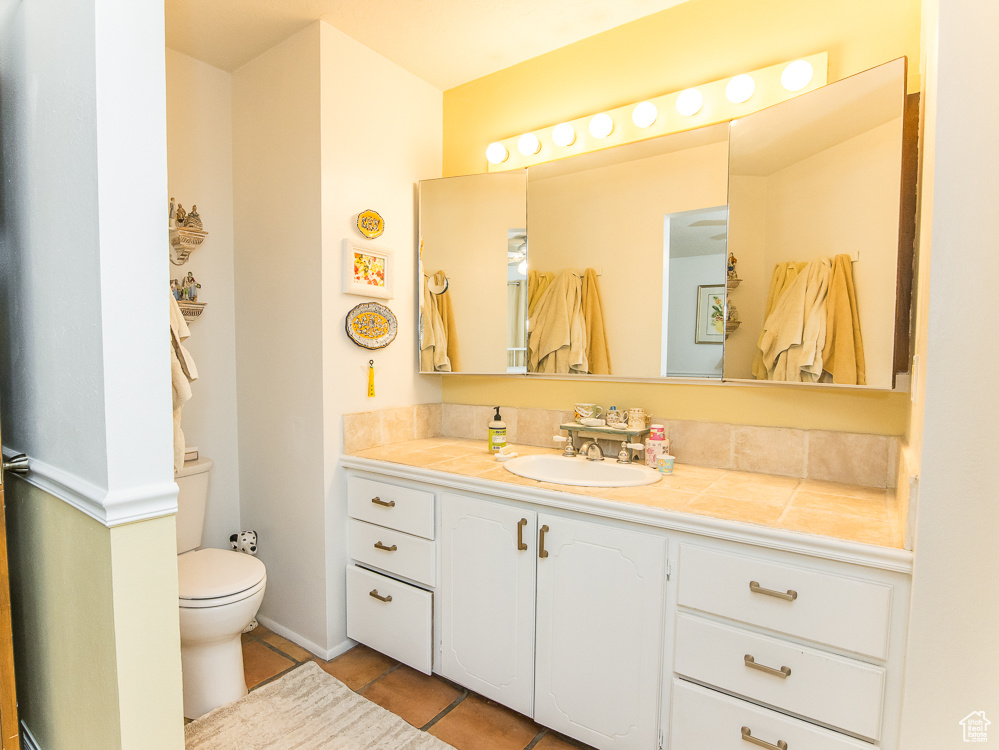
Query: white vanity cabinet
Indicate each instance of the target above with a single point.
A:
(566, 609)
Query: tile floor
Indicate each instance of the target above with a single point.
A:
(459, 717)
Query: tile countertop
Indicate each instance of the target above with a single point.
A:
(858, 514)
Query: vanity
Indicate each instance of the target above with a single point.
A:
(618, 618)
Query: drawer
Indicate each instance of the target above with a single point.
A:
(838, 611)
(400, 627)
(833, 690)
(393, 551)
(391, 506)
(703, 719)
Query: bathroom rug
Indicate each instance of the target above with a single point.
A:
(307, 709)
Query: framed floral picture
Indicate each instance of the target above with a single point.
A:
(710, 314)
(367, 270)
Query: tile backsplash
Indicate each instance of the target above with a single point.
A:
(846, 457)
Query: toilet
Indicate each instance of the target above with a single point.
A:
(220, 592)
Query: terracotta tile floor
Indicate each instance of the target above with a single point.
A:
(461, 718)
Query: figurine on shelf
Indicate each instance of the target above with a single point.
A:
(733, 314)
(181, 215)
(731, 266)
(189, 292)
(175, 289)
(192, 220)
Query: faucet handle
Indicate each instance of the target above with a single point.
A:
(570, 450)
(636, 446)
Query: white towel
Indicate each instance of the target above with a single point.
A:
(557, 332)
(183, 372)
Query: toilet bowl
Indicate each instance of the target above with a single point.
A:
(219, 594)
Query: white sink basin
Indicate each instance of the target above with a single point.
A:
(580, 472)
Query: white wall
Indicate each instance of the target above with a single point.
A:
(381, 134)
(684, 357)
(952, 662)
(199, 167)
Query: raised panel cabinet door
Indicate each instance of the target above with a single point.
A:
(488, 554)
(599, 633)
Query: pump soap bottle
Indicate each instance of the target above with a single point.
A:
(497, 432)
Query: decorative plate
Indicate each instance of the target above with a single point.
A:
(371, 325)
(370, 224)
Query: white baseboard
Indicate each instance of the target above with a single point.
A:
(323, 653)
(27, 740)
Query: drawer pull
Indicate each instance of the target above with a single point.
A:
(379, 501)
(542, 552)
(379, 597)
(783, 672)
(747, 735)
(393, 548)
(521, 544)
(756, 588)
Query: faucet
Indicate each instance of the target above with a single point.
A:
(588, 448)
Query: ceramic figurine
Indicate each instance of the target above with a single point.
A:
(731, 265)
(733, 314)
(190, 288)
(180, 215)
(193, 221)
(175, 289)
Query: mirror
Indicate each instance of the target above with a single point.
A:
(656, 259)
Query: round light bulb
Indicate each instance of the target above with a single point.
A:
(644, 114)
(528, 144)
(689, 102)
(563, 135)
(496, 153)
(522, 267)
(740, 88)
(601, 125)
(796, 75)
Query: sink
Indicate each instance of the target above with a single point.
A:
(580, 472)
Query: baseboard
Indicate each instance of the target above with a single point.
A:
(27, 740)
(323, 653)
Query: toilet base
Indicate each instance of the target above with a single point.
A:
(213, 675)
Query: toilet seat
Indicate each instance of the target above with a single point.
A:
(215, 577)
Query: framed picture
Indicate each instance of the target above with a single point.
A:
(367, 270)
(710, 314)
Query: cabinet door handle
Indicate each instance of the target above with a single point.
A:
(783, 672)
(521, 544)
(756, 588)
(379, 597)
(393, 548)
(379, 501)
(747, 735)
(542, 552)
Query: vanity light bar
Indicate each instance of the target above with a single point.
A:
(706, 104)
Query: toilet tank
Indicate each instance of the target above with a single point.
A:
(192, 498)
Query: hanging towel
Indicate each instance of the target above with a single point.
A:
(556, 341)
(537, 283)
(182, 373)
(843, 353)
(597, 351)
(438, 339)
(516, 323)
(783, 275)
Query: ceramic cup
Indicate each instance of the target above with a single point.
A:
(588, 411)
(665, 464)
(637, 419)
(658, 432)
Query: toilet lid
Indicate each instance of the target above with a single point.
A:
(213, 573)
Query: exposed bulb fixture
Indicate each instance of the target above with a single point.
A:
(644, 114)
(601, 125)
(522, 267)
(796, 75)
(689, 102)
(740, 88)
(563, 135)
(496, 153)
(528, 144)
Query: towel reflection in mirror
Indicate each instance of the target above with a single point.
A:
(566, 332)
(439, 339)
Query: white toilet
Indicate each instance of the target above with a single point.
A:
(220, 592)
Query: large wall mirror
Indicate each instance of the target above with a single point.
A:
(762, 250)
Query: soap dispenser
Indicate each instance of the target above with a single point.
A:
(497, 432)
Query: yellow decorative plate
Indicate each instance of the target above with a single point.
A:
(370, 224)
(371, 325)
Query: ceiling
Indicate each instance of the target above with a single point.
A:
(444, 42)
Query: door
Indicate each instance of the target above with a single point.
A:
(599, 633)
(488, 554)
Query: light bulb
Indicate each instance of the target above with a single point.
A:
(689, 102)
(796, 75)
(644, 114)
(740, 88)
(563, 135)
(522, 267)
(496, 153)
(528, 144)
(601, 125)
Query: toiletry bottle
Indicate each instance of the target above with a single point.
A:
(497, 432)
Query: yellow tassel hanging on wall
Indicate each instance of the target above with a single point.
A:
(371, 378)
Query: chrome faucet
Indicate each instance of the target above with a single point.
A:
(587, 449)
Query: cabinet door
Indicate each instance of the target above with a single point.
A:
(599, 633)
(487, 598)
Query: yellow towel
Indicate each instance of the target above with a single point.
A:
(556, 341)
(537, 282)
(597, 351)
(446, 308)
(843, 353)
(439, 342)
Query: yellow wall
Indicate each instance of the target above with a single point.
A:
(698, 41)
